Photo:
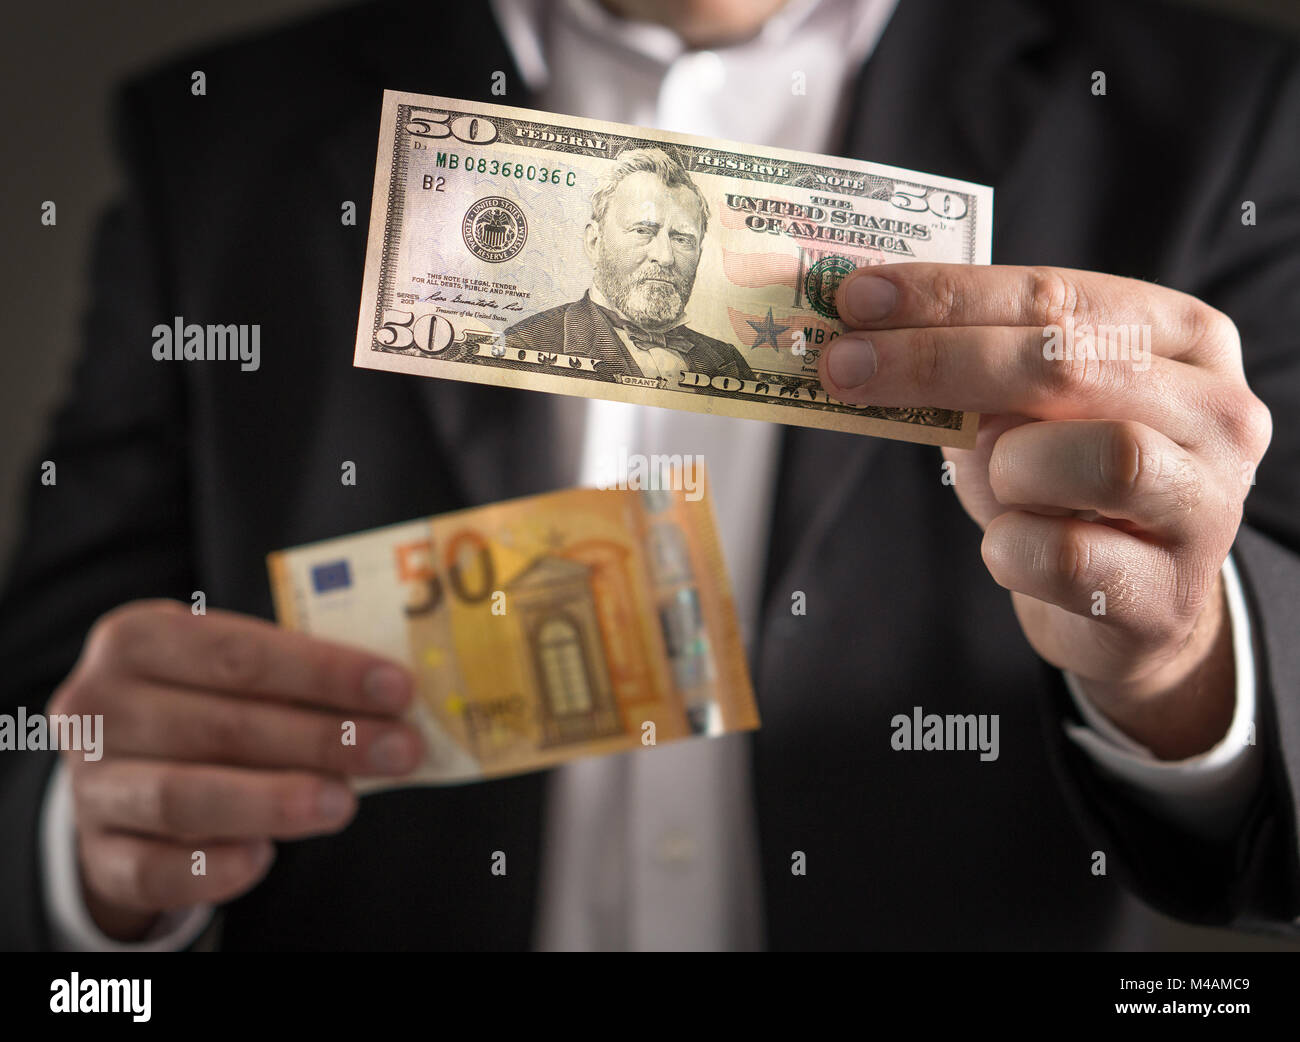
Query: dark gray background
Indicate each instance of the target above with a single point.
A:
(58, 64)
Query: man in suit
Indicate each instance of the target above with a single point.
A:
(648, 220)
(1168, 776)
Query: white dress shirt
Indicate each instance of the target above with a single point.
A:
(656, 849)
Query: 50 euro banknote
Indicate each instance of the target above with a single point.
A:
(575, 256)
(576, 623)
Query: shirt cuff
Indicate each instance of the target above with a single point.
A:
(1206, 794)
(72, 929)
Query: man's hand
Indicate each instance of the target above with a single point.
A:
(221, 733)
(1115, 476)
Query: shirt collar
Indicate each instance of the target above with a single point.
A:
(523, 23)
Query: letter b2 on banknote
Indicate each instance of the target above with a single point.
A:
(574, 256)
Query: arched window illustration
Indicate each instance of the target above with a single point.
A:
(555, 608)
(563, 667)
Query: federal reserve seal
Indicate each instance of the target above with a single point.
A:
(494, 229)
(823, 279)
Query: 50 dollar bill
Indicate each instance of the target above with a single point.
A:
(570, 624)
(574, 256)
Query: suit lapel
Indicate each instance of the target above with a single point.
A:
(958, 103)
(706, 357)
(495, 443)
(964, 101)
(952, 90)
(588, 332)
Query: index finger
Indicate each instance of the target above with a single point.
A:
(240, 654)
(924, 295)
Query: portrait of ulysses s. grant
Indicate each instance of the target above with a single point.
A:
(644, 240)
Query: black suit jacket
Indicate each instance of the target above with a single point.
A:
(175, 477)
(579, 328)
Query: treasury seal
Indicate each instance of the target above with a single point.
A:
(823, 279)
(494, 229)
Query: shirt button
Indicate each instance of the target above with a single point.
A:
(675, 849)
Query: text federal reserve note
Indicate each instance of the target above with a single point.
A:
(542, 629)
(574, 256)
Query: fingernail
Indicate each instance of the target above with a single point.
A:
(386, 686)
(261, 853)
(869, 298)
(333, 802)
(392, 753)
(852, 362)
